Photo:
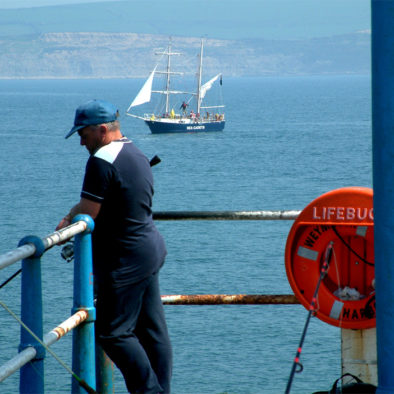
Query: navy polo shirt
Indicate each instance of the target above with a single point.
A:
(127, 246)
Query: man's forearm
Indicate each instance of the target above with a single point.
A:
(88, 207)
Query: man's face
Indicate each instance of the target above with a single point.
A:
(91, 137)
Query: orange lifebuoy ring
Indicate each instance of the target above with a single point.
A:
(346, 296)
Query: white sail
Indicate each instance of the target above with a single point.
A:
(207, 86)
(144, 94)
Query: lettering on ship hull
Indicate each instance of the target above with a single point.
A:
(195, 128)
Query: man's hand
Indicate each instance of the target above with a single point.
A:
(66, 221)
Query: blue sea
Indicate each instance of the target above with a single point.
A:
(287, 140)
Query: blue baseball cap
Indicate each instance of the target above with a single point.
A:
(93, 112)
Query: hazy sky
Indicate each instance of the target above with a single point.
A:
(39, 3)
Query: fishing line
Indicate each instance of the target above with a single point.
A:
(351, 249)
(297, 366)
(11, 277)
(81, 382)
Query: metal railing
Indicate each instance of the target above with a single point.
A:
(33, 344)
(226, 215)
(220, 299)
(86, 356)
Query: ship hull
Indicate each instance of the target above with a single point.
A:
(159, 127)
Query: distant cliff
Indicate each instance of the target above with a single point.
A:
(120, 55)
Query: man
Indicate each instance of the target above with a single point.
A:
(183, 107)
(128, 250)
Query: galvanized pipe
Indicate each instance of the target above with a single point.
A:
(27, 250)
(80, 226)
(20, 253)
(64, 234)
(239, 299)
(62, 329)
(226, 215)
(16, 363)
(28, 354)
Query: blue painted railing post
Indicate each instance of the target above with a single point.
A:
(31, 378)
(83, 358)
(104, 372)
(383, 185)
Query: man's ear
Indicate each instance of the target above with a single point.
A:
(103, 130)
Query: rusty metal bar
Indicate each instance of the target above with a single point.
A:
(29, 353)
(226, 215)
(62, 329)
(238, 299)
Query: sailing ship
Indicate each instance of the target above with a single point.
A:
(165, 119)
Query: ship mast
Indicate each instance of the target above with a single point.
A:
(199, 79)
(168, 73)
(168, 79)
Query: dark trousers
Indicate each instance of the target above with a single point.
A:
(132, 330)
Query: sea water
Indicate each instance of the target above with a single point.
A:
(287, 140)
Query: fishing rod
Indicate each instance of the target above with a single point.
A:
(154, 160)
(297, 366)
(11, 277)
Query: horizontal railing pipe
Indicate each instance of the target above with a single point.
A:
(16, 363)
(16, 255)
(226, 215)
(65, 233)
(68, 232)
(234, 299)
(62, 329)
(27, 250)
(28, 354)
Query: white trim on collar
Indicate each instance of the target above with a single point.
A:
(110, 152)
